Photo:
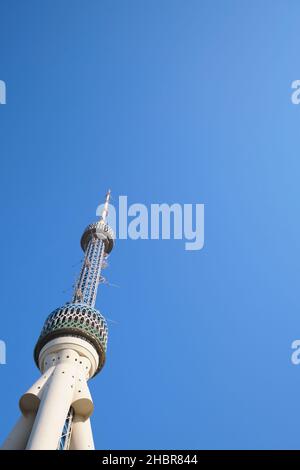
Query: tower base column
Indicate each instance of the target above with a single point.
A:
(82, 436)
(18, 437)
(55, 403)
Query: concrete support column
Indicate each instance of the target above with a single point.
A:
(82, 436)
(30, 401)
(55, 403)
(66, 364)
(18, 437)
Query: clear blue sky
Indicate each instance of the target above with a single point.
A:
(163, 101)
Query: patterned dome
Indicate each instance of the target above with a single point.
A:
(99, 230)
(78, 320)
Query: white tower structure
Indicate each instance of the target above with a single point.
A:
(71, 349)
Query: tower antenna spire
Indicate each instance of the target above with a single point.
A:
(104, 213)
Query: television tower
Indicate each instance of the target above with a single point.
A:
(71, 349)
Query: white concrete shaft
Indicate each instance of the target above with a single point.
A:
(30, 401)
(55, 403)
(83, 348)
(66, 364)
(82, 436)
(18, 437)
(82, 402)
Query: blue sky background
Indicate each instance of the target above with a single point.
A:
(163, 101)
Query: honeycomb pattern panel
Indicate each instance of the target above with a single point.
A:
(77, 320)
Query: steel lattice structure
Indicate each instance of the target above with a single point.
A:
(97, 243)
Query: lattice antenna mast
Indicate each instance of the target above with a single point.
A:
(96, 243)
